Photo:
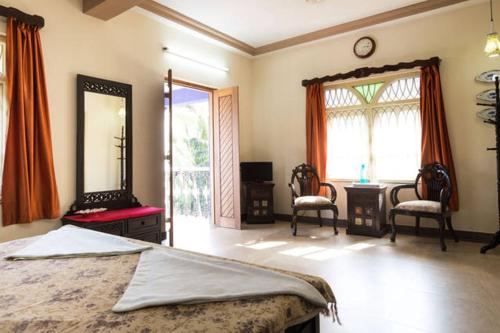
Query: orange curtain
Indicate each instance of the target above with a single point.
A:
(435, 141)
(29, 190)
(316, 129)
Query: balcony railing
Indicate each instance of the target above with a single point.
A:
(192, 192)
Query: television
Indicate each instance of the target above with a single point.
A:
(256, 171)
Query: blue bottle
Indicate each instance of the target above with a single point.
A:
(363, 179)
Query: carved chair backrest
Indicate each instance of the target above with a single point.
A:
(434, 178)
(307, 178)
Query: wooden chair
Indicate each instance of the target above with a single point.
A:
(308, 198)
(437, 181)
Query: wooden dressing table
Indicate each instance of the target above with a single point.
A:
(104, 164)
(143, 223)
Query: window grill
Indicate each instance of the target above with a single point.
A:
(341, 97)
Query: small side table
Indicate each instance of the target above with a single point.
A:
(259, 202)
(366, 212)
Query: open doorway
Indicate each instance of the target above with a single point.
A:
(191, 154)
(201, 160)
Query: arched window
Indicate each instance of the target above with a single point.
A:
(377, 123)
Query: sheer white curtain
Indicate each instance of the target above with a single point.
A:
(348, 144)
(396, 142)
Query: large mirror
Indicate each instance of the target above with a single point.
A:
(104, 144)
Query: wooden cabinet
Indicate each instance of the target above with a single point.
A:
(259, 202)
(366, 211)
(130, 224)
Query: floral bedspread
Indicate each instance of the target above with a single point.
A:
(77, 294)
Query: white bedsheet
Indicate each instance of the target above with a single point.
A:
(70, 241)
(167, 276)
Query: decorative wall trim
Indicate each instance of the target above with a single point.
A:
(172, 15)
(391, 15)
(468, 236)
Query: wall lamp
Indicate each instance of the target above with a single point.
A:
(492, 48)
(200, 62)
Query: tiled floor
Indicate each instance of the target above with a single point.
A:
(410, 286)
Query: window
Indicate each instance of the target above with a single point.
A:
(376, 123)
(3, 105)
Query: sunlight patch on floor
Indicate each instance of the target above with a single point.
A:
(327, 254)
(321, 253)
(301, 251)
(359, 246)
(263, 245)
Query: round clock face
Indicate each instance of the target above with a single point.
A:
(364, 47)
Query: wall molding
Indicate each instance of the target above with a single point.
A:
(174, 16)
(387, 16)
(463, 235)
(391, 15)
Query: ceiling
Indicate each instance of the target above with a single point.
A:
(261, 22)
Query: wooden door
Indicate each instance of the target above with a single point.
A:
(226, 159)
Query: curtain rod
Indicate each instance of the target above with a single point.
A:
(367, 71)
(34, 20)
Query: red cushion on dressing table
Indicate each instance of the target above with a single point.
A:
(118, 214)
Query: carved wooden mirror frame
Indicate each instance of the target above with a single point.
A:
(112, 199)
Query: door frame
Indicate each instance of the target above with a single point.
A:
(210, 91)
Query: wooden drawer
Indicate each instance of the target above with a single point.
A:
(261, 194)
(113, 228)
(152, 237)
(143, 224)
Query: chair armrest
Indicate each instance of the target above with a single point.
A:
(444, 199)
(395, 191)
(333, 191)
(294, 193)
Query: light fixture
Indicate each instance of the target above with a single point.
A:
(200, 62)
(492, 48)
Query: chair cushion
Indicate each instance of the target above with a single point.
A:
(311, 201)
(425, 206)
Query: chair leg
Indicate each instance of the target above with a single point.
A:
(417, 226)
(392, 217)
(335, 219)
(450, 227)
(319, 218)
(441, 233)
(294, 223)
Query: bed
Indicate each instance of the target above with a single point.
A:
(77, 294)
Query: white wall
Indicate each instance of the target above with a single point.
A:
(457, 36)
(126, 49)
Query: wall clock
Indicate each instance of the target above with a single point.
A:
(364, 47)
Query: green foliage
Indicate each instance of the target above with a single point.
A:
(191, 160)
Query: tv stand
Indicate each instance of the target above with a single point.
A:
(259, 202)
